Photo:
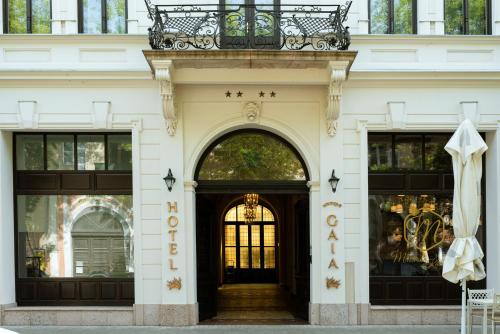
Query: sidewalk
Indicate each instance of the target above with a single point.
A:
(295, 329)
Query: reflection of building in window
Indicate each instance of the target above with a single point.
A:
(249, 246)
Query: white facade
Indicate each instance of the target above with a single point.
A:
(425, 82)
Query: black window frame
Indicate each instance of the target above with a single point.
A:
(29, 17)
(385, 181)
(390, 18)
(54, 291)
(465, 21)
(104, 22)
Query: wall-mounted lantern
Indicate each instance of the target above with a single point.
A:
(334, 181)
(169, 180)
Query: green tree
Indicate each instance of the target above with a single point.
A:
(17, 16)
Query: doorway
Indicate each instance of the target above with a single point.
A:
(252, 259)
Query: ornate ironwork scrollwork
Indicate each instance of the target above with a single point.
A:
(292, 27)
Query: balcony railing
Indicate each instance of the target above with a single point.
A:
(292, 27)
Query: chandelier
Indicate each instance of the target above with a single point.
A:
(250, 208)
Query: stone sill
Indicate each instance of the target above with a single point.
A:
(68, 308)
(414, 307)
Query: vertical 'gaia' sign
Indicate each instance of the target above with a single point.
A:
(332, 222)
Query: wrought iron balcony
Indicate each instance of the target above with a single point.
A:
(292, 27)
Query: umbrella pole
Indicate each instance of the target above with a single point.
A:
(463, 318)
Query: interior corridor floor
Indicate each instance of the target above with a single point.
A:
(253, 304)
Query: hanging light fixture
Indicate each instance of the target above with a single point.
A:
(333, 181)
(169, 180)
(250, 208)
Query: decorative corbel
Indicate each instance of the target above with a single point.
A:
(163, 73)
(100, 114)
(338, 75)
(27, 115)
(470, 111)
(396, 115)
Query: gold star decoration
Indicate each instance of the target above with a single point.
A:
(228, 94)
(273, 94)
(261, 94)
(239, 94)
(332, 283)
(175, 283)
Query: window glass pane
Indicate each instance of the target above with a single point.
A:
(403, 20)
(75, 236)
(243, 235)
(60, 152)
(255, 257)
(231, 215)
(436, 158)
(115, 16)
(268, 235)
(29, 152)
(379, 16)
(453, 17)
(244, 263)
(408, 152)
(269, 259)
(90, 150)
(255, 235)
(235, 22)
(92, 22)
(251, 156)
(477, 17)
(17, 16)
(119, 152)
(390, 253)
(41, 16)
(230, 257)
(230, 235)
(379, 152)
(264, 19)
(267, 215)
(241, 213)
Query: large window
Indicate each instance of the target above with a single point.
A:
(469, 17)
(249, 246)
(393, 16)
(27, 16)
(102, 16)
(74, 219)
(410, 219)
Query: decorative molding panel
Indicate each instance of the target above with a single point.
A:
(101, 111)
(27, 114)
(470, 111)
(338, 74)
(27, 55)
(396, 115)
(251, 111)
(163, 73)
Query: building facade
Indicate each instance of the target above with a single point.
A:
(93, 120)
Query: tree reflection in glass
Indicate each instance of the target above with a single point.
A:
(453, 17)
(40, 16)
(403, 17)
(115, 16)
(477, 17)
(379, 16)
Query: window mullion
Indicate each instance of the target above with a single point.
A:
(29, 15)
(465, 7)
(104, 29)
(390, 26)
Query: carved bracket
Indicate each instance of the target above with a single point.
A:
(338, 75)
(470, 111)
(163, 73)
(27, 114)
(396, 115)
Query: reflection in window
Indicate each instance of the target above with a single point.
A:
(380, 152)
(110, 18)
(75, 236)
(469, 17)
(60, 152)
(28, 16)
(408, 152)
(436, 158)
(119, 152)
(392, 16)
(251, 156)
(90, 150)
(255, 241)
(394, 255)
(29, 152)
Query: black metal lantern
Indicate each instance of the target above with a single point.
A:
(169, 180)
(333, 181)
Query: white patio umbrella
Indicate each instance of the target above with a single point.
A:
(463, 259)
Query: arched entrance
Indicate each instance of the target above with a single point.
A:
(252, 229)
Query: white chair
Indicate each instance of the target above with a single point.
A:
(495, 313)
(475, 309)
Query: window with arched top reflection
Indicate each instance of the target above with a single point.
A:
(249, 246)
(251, 156)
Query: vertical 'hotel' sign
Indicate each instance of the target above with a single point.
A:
(173, 223)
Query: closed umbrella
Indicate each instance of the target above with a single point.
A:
(463, 260)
